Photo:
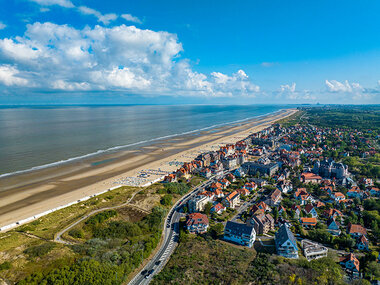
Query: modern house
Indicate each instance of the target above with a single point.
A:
(275, 198)
(262, 223)
(240, 233)
(286, 244)
(313, 250)
(197, 223)
(254, 167)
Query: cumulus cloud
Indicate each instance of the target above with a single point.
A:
(130, 18)
(62, 3)
(126, 58)
(2, 26)
(288, 88)
(336, 86)
(105, 19)
(9, 76)
(289, 92)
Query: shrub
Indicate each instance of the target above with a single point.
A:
(5, 265)
(39, 250)
(76, 233)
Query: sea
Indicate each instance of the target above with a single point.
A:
(34, 137)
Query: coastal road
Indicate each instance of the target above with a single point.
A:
(171, 235)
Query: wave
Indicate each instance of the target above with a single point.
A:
(111, 149)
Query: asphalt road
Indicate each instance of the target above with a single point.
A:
(171, 234)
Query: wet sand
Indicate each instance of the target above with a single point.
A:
(28, 194)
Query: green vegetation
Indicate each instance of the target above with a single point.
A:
(175, 188)
(100, 218)
(202, 260)
(166, 200)
(40, 250)
(76, 233)
(5, 265)
(115, 250)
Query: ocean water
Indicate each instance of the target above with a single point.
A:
(31, 137)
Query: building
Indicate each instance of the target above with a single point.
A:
(310, 210)
(308, 177)
(262, 223)
(330, 169)
(333, 227)
(286, 244)
(313, 250)
(253, 167)
(232, 200)
(218, 208)
(197, 223)
(308, 222)
(275, 198)
(351, 263)
(198, 203)
(362, 243)
(356, 231)
(240, 233)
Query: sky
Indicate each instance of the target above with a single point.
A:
(189, 52)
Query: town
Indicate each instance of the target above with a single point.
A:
(292, 189)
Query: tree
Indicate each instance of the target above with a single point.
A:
(207, 209)
(166, 200)
(373, 270)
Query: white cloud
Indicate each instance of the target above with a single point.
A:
(336, 86)
(63, 3)
(290, 88)
(2, 26)
(105, 19)
(130, 18)
(267, 64)
(9, 76)
(60, 57)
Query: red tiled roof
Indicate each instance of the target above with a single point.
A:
(352, 228)
(196, 218)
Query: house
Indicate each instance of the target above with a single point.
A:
(337, 196)
(350, 262)
(225, 183)
(319, 204)
(362, 243)
(250, 186)
(308, 222)
(170, 178)
(243, 192)
(375, 192)
(285, 186)
(232, 200)
(366, 182)
(281, 210)
(313, 250)
(240, 172)
(333, 227)
(197, 204)
(356, 230)
(215, 186)
(302, 196)
(240, 233)
(286, 244)
(219, 193)
(218, 208)
(309, 209)
(205, 172)
(355, 193)
(332, 213)
(259, 208)
(275, 198)
(262, 223)
(197, 223)
(309, 177)
(297, 209)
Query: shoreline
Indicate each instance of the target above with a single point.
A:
(25, 195)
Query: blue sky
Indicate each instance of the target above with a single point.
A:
(243, 52)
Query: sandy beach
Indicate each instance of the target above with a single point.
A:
(28, 194)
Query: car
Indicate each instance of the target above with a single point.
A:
(149, 273)
(158, 263)
(144, 272)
